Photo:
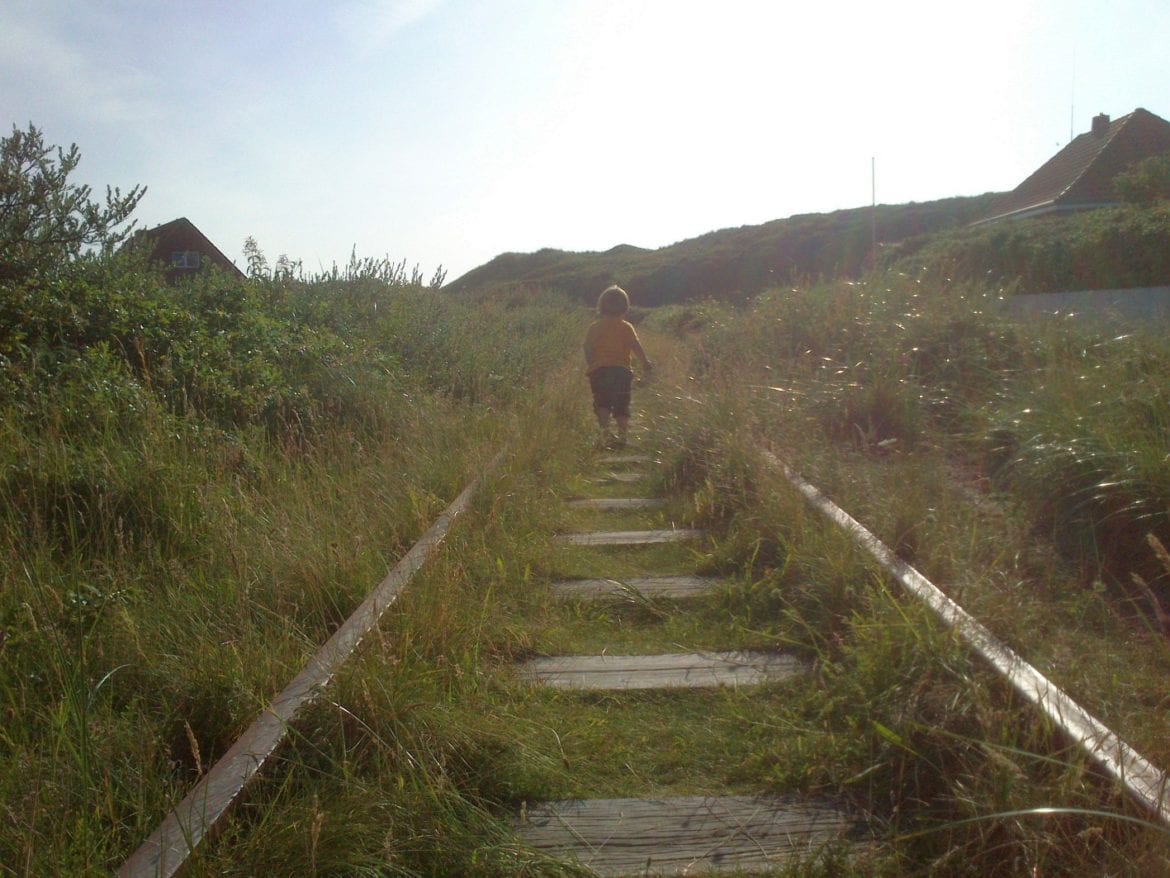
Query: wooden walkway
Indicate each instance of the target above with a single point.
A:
(672, 836)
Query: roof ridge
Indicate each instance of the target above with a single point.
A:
(1112, 130)
(1078, 174)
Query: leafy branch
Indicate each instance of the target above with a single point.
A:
(44, 218)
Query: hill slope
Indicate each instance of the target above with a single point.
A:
(730, 263)
(1110, 248)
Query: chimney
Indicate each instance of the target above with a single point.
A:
(1100, 124)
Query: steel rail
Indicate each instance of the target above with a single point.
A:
(1141, 779)
(165, 853)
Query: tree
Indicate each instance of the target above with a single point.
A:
(1145, 183)
(45, 219)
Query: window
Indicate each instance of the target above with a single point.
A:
(186, 259)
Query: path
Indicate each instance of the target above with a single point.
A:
(681, 835)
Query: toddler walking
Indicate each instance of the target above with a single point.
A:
(610, 345)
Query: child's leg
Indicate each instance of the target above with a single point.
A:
(603, 417)
(611, 400)
(621, 409)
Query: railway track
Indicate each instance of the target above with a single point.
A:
(676, 835)
(686, 834)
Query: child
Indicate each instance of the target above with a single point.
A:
(609, 344)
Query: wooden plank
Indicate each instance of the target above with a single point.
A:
(1141, 779)
(197, 816)
(614, 504)
(626, 478)
(673, 671)
(627, 459)
(686, 835)
(631, 537)
(644, 586)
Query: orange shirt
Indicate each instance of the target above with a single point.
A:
(609, 341)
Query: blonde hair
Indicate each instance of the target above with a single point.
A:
(613, 302)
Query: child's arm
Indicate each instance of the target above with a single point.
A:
(636, 347)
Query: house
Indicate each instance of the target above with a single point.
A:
(182, 247)
(1080, 176)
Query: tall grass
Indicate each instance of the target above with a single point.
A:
(181, 531)
(1071, 422)
(403, 769)
(428, 748)
(1015, 464)
(197, 485)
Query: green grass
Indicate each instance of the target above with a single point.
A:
(172, 558)
(650, 745)
(164, 575)
(896, 719)
(914, 439)
(620, 562)
(646, 626)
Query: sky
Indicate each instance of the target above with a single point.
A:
(446, 132)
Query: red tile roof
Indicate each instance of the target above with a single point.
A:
(178, 236)
(1081, 175)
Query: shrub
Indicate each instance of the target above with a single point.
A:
(1145, 183)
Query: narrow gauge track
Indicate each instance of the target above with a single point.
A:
(196, 818)
(637, 836)
(1143, 781)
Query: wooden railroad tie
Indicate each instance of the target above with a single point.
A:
(616, 504)
(692, 670)
(630, 537)
(687, 835)
(671, 587)
(625, 477)
(675, 836)
(626, 459)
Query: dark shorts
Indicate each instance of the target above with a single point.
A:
(611, 389)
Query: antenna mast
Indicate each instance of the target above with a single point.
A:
(873, 209)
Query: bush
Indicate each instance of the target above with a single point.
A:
(1110, 248)
(1146, 183)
